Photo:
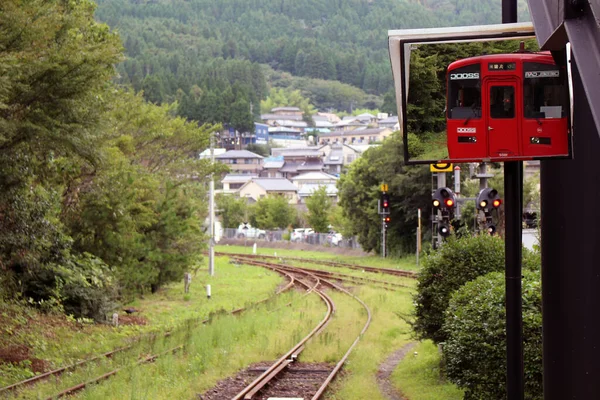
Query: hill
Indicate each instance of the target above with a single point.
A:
(176, 44)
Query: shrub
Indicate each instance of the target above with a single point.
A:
(458, 261)
(475, 351)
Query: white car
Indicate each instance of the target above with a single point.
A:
(247, 231)
(334, 238)
(299, 234)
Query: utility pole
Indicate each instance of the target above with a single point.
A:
(211, 211)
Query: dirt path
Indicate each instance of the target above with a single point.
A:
(387, 367)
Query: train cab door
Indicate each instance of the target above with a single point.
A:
(502, 119)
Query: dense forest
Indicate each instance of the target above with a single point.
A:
(173, 46)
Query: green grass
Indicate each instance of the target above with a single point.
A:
(405, 263)
(230, 343)
(62, 342)
(418, 375)
(211, 352)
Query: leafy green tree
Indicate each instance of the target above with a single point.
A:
(233, 210)
(241, 117)
(272, 212)
(319, 206)
(359, 191)
(56, 62)
(475, 325)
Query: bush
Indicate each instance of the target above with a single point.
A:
(475, 351)
(458, 261)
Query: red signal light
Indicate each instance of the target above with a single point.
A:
(449, 202)
(387, 219)
(496, 203)
(385, 204)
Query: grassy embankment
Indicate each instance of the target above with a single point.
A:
(230, 343)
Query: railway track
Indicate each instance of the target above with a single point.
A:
(6, 390)
(285, 373)
(284, 377)
(389, 271)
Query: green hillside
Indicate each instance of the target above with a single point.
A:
(176, 44)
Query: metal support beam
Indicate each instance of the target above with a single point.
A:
(570, 266)
(513, 192)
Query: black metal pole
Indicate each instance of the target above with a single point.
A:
(513, 193)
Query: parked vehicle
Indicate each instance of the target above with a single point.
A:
(334, 238)
(247, 231)
(300, 234)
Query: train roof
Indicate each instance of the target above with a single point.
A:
(543, 56)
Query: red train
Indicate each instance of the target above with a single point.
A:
(506, 107)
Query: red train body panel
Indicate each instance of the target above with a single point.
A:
(507, 107)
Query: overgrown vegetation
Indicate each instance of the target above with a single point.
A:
(460, 304)
(99, 191)
(475, 325)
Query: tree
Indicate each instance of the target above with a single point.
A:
(232, 210)
(272, 212)
(359, 190)
(319, 206)
(241, 117)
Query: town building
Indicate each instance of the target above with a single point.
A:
(242, 161)
(359, 136)
(258, 188)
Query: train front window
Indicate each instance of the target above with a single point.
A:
(544, 91)
(502, 102)
(464, 92)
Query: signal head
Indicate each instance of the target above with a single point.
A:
(488, 198)
(444, 198)
(444, 230)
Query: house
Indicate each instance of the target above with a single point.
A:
(349, 125)
(308, 190)
(242, 161)
(257, 188)
(313, 178)
(389, 122)
(366, 118)
(233, 182)
(309, 182)
(362, 136)
(271, 167)
(299, 160)
(287, 111)
(333, 162)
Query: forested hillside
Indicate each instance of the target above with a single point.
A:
(176, 44)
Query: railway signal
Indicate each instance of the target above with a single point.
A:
(488, 199)
(444, 199)
(385, 203)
